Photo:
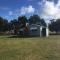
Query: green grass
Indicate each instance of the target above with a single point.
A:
(31, 48)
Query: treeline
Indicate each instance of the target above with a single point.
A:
(20, 22)
(54, 26)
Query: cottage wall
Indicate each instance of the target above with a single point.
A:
(34, 30)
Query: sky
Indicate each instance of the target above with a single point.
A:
(47, 9)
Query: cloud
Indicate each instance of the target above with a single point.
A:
(4, 8)
(50, 10)
(22, 11)
(10, 13)
(41, 2)
(27, 10)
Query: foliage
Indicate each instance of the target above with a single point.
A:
(3, 24)
(55, 25)
(22, 21)
(35, 19)
(19, 23)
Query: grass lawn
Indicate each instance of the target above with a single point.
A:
(31, 48)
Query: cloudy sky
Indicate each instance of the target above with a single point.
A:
(46, 9)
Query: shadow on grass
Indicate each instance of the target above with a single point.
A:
(27, 36)
(18, 36)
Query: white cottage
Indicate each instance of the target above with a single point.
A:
(38, 30)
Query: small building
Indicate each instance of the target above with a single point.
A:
(38, 30)
(35, 30)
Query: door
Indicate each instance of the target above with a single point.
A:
(43, 31)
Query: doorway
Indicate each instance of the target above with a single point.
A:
(43, 31)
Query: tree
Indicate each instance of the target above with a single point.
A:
(43, 23)
(5, 25)
(52, 26)
(1, 23)
(55, 25)
(35, 19)
(22, 21)
(14, 25)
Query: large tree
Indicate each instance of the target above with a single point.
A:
(35, 19)
(5, 25)
(55, 25)
(1, 21)
(22, 21)
(14, 25)
(1, 24)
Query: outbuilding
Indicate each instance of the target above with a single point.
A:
(35, 30)
(38, 30)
